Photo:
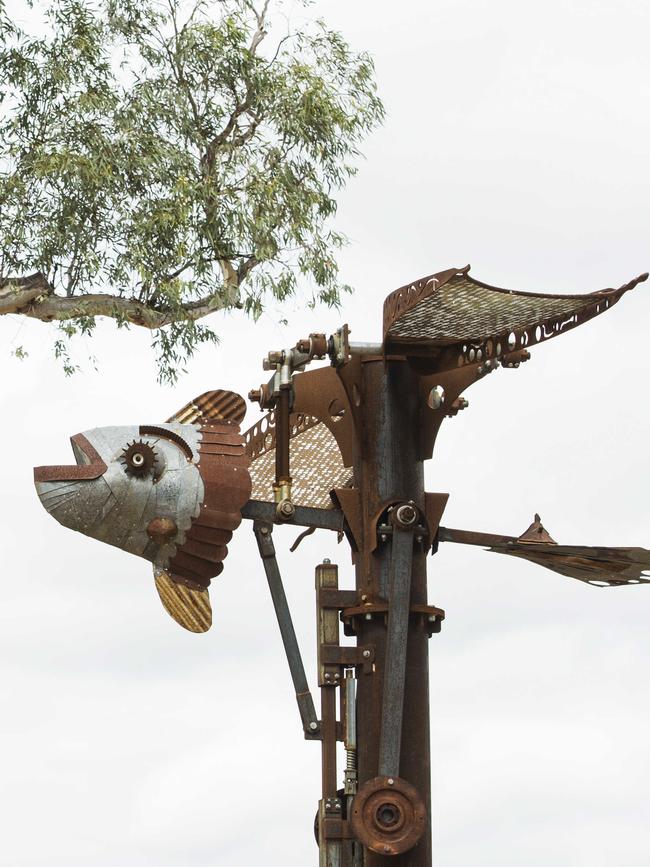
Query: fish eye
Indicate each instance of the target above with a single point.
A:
(139, 459)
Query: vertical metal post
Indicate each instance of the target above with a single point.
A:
(388, 467)
(329, 677)
(399, 594)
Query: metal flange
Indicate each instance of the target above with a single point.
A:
(388, 815)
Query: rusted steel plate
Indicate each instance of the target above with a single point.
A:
(598, 566)
(92, 469)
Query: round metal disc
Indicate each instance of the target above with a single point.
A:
(388, 815)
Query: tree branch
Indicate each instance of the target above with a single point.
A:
(17, 293)
(34, 296)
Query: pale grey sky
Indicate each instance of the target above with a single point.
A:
(516, 139)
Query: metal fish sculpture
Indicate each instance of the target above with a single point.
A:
(171, 493)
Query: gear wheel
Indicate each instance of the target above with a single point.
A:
(139, 459)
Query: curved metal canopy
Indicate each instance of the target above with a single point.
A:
(451, 311)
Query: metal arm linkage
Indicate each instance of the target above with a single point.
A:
(263, 534)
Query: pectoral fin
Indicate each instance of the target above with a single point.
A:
(191, 609)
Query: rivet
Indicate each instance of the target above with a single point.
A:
(366, 654)
(390, 781)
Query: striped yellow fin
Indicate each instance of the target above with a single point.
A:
(217, 405)
(191, 609)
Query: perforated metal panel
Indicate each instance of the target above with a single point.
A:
(316, 464)
(453, 308)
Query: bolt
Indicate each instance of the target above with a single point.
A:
(390, 781)
(286, 510)
(383, 537)
(255, 395)
(326, 561)
(407, 514)
(313, 726)
(432, 618)
(366, 654)
(364, 597)
(337, 806)
(368, 616)
(327, 677)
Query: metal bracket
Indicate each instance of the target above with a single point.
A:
(346, 656)
(304, 516)
(337, 599)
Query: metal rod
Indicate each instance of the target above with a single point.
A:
(363, 348)
(328, 733)
(469, 537)
(282, 409)
(304, 699)
(392, 712)
(350, 711)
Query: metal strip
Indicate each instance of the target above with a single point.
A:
(392, 711)
(304, 699)
(322, 519)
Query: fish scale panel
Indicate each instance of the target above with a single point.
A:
(223, 465)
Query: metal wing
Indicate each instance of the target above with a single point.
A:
(452, 316)
(316, 463)
(598, 566)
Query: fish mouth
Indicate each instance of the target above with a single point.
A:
(89, 464)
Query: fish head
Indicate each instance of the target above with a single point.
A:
(135, 487)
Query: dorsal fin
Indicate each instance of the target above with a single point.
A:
(217, 405)
(191, 609)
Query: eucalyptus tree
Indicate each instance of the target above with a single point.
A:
(160, 161)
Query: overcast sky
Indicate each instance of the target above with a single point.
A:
(517, 140)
